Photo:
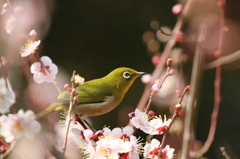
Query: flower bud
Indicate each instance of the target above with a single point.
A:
(32, 34)
(131, 115)
(67, 86)
(169, 62)
(171, 72)
(177, 108)
(154, 89)
(155, 59)
(188, 87)
(151, 114)
(221, 3)
(178, 93)
(177, 9)
(179, 114)
(3, 148)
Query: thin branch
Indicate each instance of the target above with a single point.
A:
(217, 90)
(223, 60)
(195, 79)
(163, 32)
(69, 111)
(175, 115)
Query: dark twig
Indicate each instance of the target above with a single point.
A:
(69, 111)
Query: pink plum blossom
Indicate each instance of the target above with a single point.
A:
(39, 74)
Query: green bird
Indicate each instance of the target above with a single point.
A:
(98, 96)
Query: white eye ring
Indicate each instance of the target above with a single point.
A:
(126, 74)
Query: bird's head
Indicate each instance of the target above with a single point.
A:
(122, 78)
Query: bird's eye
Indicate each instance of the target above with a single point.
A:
(126, 75)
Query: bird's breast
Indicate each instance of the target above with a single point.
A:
(94, 109)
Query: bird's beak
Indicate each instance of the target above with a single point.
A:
(140, 73)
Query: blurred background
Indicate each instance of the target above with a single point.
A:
(94, 37)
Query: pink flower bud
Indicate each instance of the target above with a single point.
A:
(177, 9)
(32, 34)
(3, 148)
(5, 6)
(131, 115)
(179, 114)
(221, 3)
(156, 59)
(169, 62)
(171, 72)
(178, 93)
(177, 108)
(151, 114)
(155, 89)
(67, 86)
(188, 87)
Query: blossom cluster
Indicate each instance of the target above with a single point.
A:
(107, 143)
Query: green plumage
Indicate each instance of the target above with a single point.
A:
(97, 96)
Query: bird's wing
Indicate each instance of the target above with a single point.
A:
(88, 92)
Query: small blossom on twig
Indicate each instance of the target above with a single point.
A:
(155, 88)
(177, 108)
(140, 121)
(152, 150)
(159, 126)
(29, 48)
(78, 80)
(7, 96)
(40, 75)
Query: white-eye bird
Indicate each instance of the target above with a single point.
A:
(98, 96)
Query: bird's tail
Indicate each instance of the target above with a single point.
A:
(53, 107)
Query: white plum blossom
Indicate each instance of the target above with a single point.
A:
(17, 125)
(159, 125)
(29, 48)
(108, 143)
(141, 121)
(39, 74)
(168, 152)
(7, 96)
(152, 150)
